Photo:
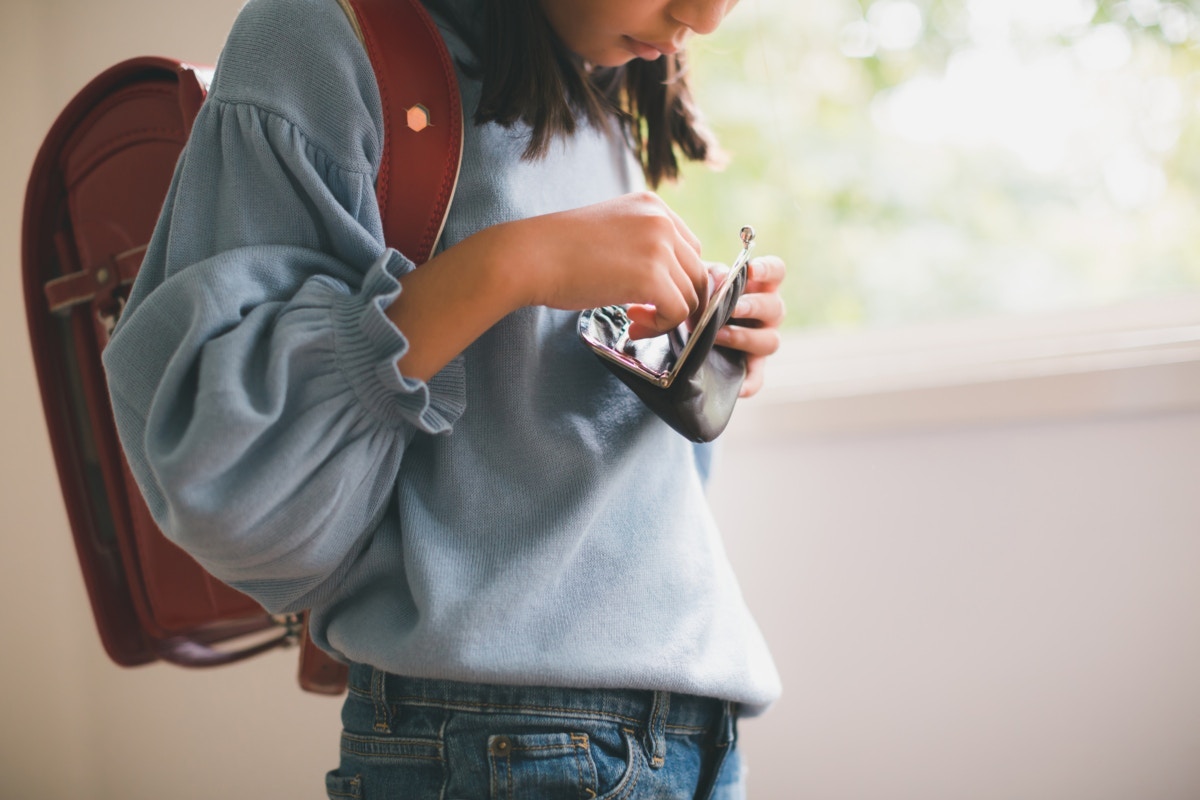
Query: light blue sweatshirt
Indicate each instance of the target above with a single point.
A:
(520, 518)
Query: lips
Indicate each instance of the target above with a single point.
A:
(649, 51)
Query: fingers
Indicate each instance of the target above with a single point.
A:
(716, 272)
(693, 270)
(755, 374)
(641, 330)
(691, 278)
(649, 320)
(760, 316)
(687, 254)
(680, 288)
(754, 341)
(674, 299)
(685, 232)
(765, 310)
(675, 280)
(765, 275)
(760, 311)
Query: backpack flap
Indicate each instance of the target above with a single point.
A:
(91, 206)
(92, 203)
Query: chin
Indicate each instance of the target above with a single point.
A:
(609, 58)
(612, 61)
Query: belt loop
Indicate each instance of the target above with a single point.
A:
(727, 733)
(724, 737)
(656, 729)
(383, 717)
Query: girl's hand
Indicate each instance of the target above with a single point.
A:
(629, 250)
(760, 311)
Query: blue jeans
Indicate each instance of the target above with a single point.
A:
(411, 739)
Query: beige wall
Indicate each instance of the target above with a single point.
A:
(73, 726)
(1004, 612)
(993, 613)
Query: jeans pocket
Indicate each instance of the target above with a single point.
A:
(387, 767)
(340, 787)
(537, 765)
(619, 761)
(731, 780)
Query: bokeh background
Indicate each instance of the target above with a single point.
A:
(918, 159)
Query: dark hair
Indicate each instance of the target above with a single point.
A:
(529, 75)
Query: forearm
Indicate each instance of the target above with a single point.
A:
(630, 249)
(450, 301)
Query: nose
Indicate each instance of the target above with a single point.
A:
(701, 16)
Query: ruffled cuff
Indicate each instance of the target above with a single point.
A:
(369, 344)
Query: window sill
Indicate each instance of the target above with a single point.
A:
(1136, 358)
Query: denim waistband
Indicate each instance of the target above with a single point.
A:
(644, 708)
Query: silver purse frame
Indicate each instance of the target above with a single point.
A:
(659, 359)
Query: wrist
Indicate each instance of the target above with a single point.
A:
(508, 264)
(501, 266)
(448, 302)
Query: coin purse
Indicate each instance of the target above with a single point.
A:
(682, 376)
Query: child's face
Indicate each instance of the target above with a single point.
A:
(609, 33)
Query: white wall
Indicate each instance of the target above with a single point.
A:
(993, 613)
(1005, 612)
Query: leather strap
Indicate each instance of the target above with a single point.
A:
(422, 140)
(94, 281)
(319, 672)
(422, 120)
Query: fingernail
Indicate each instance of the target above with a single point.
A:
(742, 308)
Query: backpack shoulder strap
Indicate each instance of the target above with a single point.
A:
(422, 120)
(423, 139)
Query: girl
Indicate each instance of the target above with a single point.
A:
(512, 552)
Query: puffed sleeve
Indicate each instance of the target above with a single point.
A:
(253, 374)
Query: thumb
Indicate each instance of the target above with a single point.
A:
(643, 322)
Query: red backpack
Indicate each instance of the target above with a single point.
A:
(93, 199)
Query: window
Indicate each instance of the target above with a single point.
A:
(918, 160)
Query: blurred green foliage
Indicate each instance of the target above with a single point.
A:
(920, 159)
